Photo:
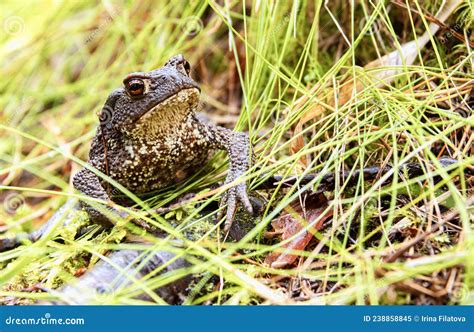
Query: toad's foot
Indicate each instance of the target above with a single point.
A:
(232, 197)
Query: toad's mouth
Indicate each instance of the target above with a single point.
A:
(179, 103)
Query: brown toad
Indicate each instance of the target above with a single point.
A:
(150, 137)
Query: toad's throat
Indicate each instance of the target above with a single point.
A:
(166, 115)
(184, 99)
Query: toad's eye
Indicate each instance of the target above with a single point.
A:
(135, 87)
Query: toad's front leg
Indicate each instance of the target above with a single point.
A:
(237, 146)
(88, 183)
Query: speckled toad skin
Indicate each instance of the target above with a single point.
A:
(149, 137)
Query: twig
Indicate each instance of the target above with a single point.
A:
(445, 218)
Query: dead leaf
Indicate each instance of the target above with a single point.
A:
(297, 219)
